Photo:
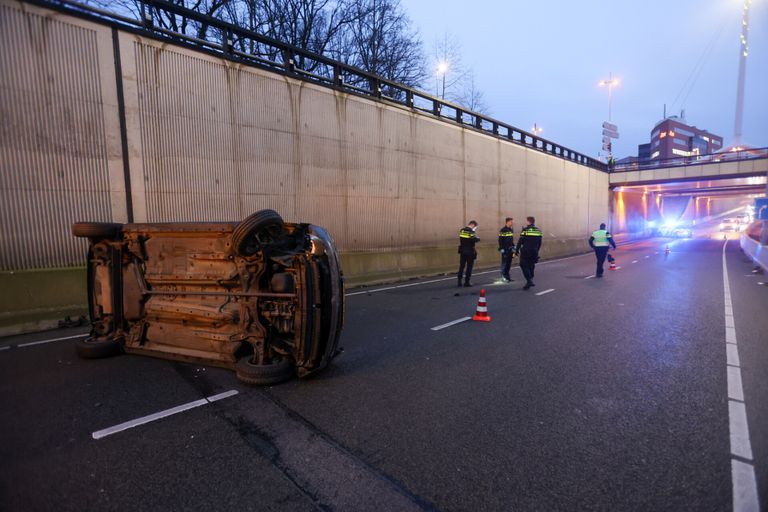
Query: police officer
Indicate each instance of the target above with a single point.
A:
(528, 245)
(601, 240)
(506, 248)
(467, 251)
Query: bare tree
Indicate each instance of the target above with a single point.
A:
(470, 97)
(381, 41)
(447, 66)
(454, 81)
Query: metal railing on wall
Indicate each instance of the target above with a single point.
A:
(166, 21)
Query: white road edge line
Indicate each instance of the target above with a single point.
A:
(743, 477)
(387, 288)
(546, 291)
(437, 328)
(31, 343)
(100, 434)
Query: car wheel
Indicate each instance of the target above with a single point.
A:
(96, 229)
(246, 233)
(96, 348)
(263, 375)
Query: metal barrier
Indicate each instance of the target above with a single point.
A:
(709, 158)
(235, 43)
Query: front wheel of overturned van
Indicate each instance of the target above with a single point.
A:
(264, 374)
(96, 348)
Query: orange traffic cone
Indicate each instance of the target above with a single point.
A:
(481, 315)
(612, 266)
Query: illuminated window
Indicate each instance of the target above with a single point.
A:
(662, 135)
(680, 152)
(655, 155)
(671, 133)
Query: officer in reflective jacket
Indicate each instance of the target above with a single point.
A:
(601, 241)
(506, 248)
(467, 251)
(528, 245)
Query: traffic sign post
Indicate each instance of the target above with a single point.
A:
(610, 132)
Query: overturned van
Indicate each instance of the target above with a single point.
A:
(262, 297)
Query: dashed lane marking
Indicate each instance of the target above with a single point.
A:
(742, 468)
(546, 291)
(649, 256)
(453, 278)
(437, 328)
(100, 434)
(4, 348)
(634, 261)
(590, 277)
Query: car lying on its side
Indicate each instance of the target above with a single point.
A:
(262, 297)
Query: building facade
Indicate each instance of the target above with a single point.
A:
(673, 138)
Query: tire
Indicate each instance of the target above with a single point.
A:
(264, 375)
(96, 229)
(97, 348)
(244, 233)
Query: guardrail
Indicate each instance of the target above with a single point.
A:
(709, 158)
(229, 41)
(750, 244)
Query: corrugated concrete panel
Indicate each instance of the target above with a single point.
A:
(54, 152)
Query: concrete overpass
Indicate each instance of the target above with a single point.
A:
(711, 167)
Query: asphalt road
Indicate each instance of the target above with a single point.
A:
(603, 394)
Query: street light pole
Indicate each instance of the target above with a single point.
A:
(442, 69)
(610, 83)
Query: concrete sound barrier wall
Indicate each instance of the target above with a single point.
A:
(107, 125)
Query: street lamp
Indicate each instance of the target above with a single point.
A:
(442, 69)
(610, 83)
(536, 130)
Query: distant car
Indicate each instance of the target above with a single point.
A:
(730, 224)
(682, 233)
(262, 297)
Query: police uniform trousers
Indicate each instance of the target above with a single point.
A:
(600, 253)
(468, 261)
(527, 265)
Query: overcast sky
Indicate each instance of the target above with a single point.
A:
(540, 62)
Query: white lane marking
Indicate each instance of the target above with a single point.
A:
(99, 434)
(5, 348)
(647, 257)
(744, 487)
(735, 391)
(453, 278)
(437, 328)
(377, 290)
(742, 471)
(732, 354)
(31, 343)
(737, 416)
(546, 291)
(590, 277)
(634, 261)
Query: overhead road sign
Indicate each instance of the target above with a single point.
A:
(611, 134)
(610, 126)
